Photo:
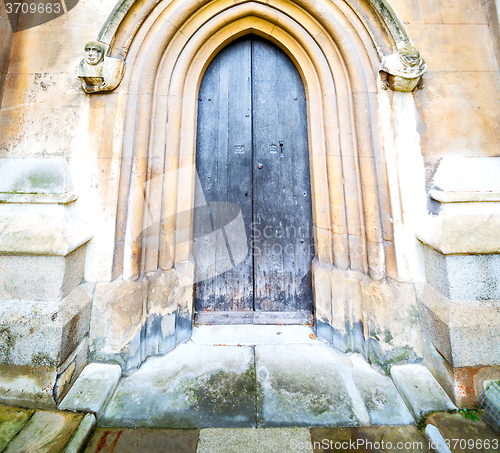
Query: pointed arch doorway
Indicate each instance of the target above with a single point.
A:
(252, 154)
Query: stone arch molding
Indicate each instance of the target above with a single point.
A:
(150, 127)
(337, 48)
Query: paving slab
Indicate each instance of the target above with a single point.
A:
(420, 390)
(93, 389)
(12, 420)
(117, 440)
(81, 435)
(300, 385)
(464, 434)
(375, 439)
(248, 440)
(252, 335)
(195, 386)
(45, 432)
(382, 400)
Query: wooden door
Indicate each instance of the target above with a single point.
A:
(252, 153)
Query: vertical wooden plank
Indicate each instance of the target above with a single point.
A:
(268, 209)
(207, 144)
(224, 147)
(282, 205)
(296, 187)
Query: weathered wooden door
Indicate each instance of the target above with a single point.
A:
(252, 155)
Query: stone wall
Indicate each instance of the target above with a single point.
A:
(45, 114)
(458, 109)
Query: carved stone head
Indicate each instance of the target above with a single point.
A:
(410, 55)
(94, 53)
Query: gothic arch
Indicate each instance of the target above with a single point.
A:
(336, 46)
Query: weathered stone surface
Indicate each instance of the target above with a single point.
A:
(27, 386)
(467, 195)
(45, 432)
(40, 278)
(382, 400)
(93, 389)
(252, 335)
(420, 390)
(465, 277)
(109, 440)
(466, 333)
(71, 369)
(193, 386)
(135, 320)
(462, 384)
(300, 385)
(32, 175)
(367, 321)
(282, 440)
(465, 434)
(81, 435)
(378, 439)
(12, 420)
(41, 245)
(44, 334)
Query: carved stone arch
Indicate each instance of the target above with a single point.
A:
(338, 60)
(337, 47)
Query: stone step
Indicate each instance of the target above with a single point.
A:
(420, 390)
(249, 335)
(194, 386)
(45, 432)
(381, 398)
(93, 389)
(276, 440)
(12, 420)
(301, 385)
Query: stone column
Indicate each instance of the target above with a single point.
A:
(459, 307)
(44, 306)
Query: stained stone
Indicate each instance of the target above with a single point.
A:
(276, 440)
(81, 435)
(45, 432)
(12, 420)
(420, 390)
(194, 386)
(382, 400)
(252, 335)
(300, 385)
(93, 389)
(465, 434)
(375, 439)
(109, 440)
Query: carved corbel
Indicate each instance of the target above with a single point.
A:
(403, 70)
(98, 72)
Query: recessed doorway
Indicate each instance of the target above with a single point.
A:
(252, 160)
